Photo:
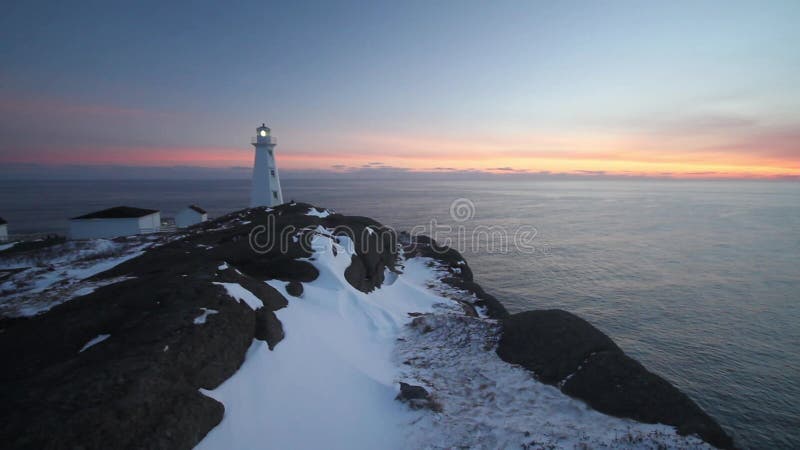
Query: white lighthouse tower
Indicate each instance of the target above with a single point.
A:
(266, 190)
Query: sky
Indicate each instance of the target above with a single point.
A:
(662, 89)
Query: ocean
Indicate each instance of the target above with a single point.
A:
(698, 280)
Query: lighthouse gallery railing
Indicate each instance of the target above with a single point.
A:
(265, 140)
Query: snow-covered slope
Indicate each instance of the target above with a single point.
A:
(57, 274)
(332, 381)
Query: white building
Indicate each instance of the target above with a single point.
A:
(3, 230)
(114, 222)
(190, 215)
(266, 189)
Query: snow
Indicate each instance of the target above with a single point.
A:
(54, 275)
(223, 266)
(7, 246)
(318, 213)
(201, 319)
(491, 404)
(241, 294)
(332, 381)
(86, 290)
(94, 341)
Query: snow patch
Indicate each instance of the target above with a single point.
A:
(317, 213)
(241, 294)
(84, 291)
(94, 341)
(53, 275)
(201, 319)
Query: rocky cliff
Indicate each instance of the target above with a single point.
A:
(136, 355)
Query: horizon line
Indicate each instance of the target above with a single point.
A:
(78, 172)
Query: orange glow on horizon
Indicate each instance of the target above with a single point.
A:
(726, 169)
(596, 154)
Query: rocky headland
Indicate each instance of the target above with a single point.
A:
(145, 343)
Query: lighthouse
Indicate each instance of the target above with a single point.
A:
(266, 190)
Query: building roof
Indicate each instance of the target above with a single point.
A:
(118, 212)
(197, 209)
(3, 221)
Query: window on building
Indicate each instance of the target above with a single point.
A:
(270, 152)
(275, 195)
(272, 172)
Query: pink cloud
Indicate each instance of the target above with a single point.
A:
(153, 156)
(16, 105)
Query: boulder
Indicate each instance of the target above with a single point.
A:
(375, 250)
(294, 288)
(412, 392)
(562, 349)
(550, 343)
(268, 327)
(417, 397)
(614, 383)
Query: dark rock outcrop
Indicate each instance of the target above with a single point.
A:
(376, 250)
(460, 272)
(494, 308)
(268, 327)
(281, 268)
(562, 349)
(294, 288)
(550, 343)
(417, 397)
(616, 384)
(412, 392)
(139, 388)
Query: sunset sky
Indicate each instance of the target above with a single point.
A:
(677, 89)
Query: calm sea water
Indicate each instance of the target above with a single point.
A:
(698, 280)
